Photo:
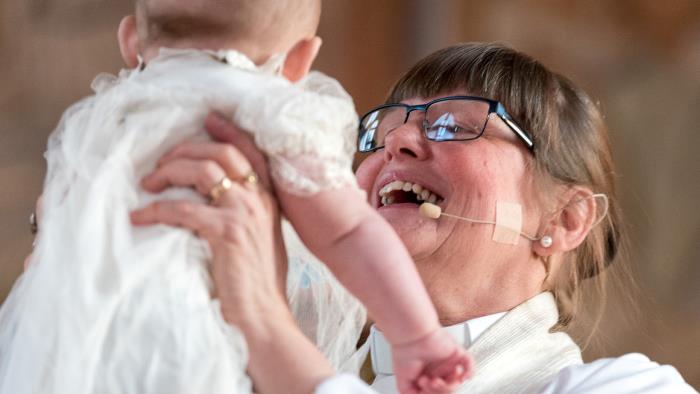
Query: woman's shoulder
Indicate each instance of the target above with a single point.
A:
(631, 373)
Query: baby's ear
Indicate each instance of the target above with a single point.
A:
(129, 41)
(300, 57)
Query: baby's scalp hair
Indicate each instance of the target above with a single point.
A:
(266, 22)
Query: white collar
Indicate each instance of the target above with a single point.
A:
(465, 333)
(231, 57)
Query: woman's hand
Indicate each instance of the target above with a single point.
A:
(242, 227)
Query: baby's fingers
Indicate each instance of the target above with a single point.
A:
(456, 367)
(407, 386)
(460, 373)
(463, 370)
(428, 385)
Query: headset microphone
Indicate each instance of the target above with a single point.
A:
(508, 220)
(433, 211)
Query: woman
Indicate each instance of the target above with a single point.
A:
(533, 160)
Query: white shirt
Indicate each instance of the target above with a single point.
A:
(631, 373)
(380, 349)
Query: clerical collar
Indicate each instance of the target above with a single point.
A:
(464, 333)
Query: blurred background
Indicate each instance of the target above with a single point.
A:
(639, 58)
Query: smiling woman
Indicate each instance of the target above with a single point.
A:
(638, 58)
(536, 167)
(570, 160)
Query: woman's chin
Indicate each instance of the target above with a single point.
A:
(416, 232)
(400, 215)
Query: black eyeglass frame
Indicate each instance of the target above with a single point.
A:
(494, 107)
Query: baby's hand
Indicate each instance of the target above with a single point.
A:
(435, 364)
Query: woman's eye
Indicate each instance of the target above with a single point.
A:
(449, 132)
(461, 129)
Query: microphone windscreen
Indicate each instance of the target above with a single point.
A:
(430, 210)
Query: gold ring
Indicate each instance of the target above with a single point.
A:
(33, 225)
(250, 178)
(217, 190)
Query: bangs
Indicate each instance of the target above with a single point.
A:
(488, 70)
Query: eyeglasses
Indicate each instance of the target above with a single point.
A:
(453, 118)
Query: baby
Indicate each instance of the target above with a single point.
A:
(106, 307)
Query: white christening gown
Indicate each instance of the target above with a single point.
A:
(106, 307)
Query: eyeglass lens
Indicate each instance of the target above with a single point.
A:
(448, 120)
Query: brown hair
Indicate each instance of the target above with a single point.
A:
(571, 142)
(264, 21)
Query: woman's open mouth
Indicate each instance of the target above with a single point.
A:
(404, 192)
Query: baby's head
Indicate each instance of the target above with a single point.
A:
(257, 28)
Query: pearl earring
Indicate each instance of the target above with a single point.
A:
(546, 241)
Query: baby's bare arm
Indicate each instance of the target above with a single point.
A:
(367, 257)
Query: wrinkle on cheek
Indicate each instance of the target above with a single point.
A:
(451, 237)
(444, 233)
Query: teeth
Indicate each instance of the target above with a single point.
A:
(395, 185)
(422, 194)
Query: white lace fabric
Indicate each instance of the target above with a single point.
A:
(309, 138)
(107, 307)
(326, 312)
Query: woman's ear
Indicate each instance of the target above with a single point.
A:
(569, 226)
(300, 57)
(129, 41)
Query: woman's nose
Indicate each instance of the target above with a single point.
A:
(406, 141)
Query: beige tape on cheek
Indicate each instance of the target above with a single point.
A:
(509, 223)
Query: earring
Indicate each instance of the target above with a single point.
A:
(546, 241)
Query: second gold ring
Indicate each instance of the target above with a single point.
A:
(217, 190)
(250, 178)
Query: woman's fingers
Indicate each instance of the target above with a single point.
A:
(202, 175)
(202, 165)
(209, 221)
(201, 219)
(229, 158)
(221, 129)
